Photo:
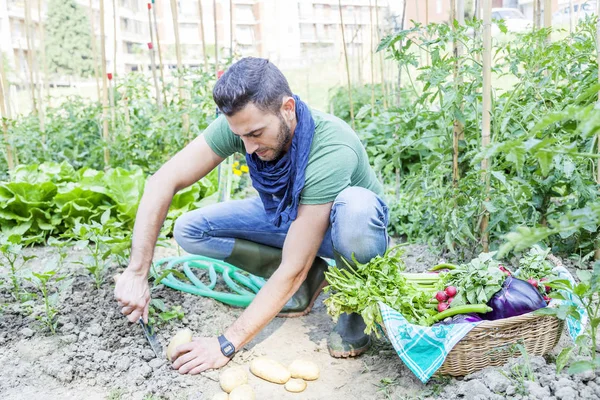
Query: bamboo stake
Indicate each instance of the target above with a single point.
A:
(186, 118)
(380, 56)
(347, 65)
(6, 85)
(94, 51)
(216, 36)
(548, 19)
(160, 59)
(7, 142)
(230, 29)
(457, 126)
(597, 253)
(372, 61)
(127, 117)
(37, 72)
(538, 13)
(399, 67)
(202, 38)
(427, 59)
(114, 4)
(487, 109)
(30, 57)
(42, 34)
(152, 60)
(105, 134)
(571, 12)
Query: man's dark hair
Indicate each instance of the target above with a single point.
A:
(253, 80)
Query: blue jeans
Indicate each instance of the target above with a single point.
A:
(358, 224)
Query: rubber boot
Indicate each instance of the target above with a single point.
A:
(348, 337)
(262, 260)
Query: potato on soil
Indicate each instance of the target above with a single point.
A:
(221, 396)
(295, 385)
(182, 337)
(232, 378)
(243, 392)
(270, 370)
(307, 370)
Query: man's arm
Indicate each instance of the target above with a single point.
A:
(191, 164)
(302, 242)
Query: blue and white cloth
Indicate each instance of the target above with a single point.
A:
(424, 349)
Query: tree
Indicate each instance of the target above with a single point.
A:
(68, 44)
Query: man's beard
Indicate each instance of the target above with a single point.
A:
(283, 139)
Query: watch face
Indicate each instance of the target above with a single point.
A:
(228, 349)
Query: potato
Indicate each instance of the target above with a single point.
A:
(270, 370)
(307, 370)
(232, 378)
(295, 385)
(182, 337)
(243, 392)
(221, 396)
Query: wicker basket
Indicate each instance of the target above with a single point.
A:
(489, 343)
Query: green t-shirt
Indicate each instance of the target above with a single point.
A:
(337, 158)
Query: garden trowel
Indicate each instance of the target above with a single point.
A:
(152, 338)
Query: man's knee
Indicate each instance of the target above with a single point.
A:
(359, 205)
(190, 228)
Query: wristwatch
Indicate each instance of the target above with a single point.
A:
(227, 348)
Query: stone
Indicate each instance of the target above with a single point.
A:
(566, 393)
(476, 388)
(156, 363)
(511, 390)
(69, 339)
(496, 381)
(587, 393)
(536, 391)
(27, 332)
(95, 330)
(148, 355)
(123, 363)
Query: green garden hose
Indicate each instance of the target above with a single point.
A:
(244, 285)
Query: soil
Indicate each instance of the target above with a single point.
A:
(97, 354)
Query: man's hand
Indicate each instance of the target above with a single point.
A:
(133, 295)
(198, 356)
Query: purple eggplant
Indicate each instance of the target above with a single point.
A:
(516, 297)
(461, 319)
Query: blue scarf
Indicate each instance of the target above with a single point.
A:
(280, 182)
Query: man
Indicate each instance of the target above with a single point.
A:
(318, 198)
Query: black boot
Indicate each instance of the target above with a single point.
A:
(348, 337)
(262, 260)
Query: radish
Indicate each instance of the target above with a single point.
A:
(451, 291)
(547, 298)
(546, 287)
(441, 296)
(533, 282)
(501, 268)
(450, 299)
(442, 307)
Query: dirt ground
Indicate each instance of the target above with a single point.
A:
(97, 354)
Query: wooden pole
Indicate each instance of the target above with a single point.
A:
(548, 19)
(427, 59)
(202, 38)
(37, 72)
(571, 12)
(160, 59)
(372, 56)
(42, 34)
(358, 37)
(347, 64)
(152, 59)
(105, 133)
(456, 125)
(94, 50)
(216, 36)
(597, 253)
(185, 116)
(231, 29)
(487, 110)
(30, 60)
(398, 99)
(114, 4)
(380, 56)
(538, 13)
(7, 142)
